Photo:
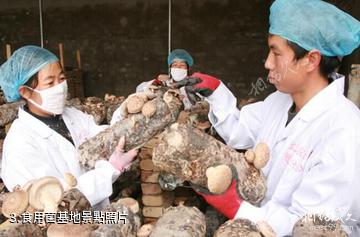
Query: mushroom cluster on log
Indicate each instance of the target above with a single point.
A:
(187, 153)
(137, 128)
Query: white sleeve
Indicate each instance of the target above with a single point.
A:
(116, 116)
(327, 186)
(96, 184)
(22, 165)
(239, 129)
(143, 86)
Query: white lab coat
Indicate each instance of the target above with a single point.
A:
(33, 150)
(143, 87)
(314, 160)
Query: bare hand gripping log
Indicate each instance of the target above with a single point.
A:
(187, 153)
(137, 128)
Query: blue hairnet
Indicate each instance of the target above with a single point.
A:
(180, 54)
(315, 24)
(20, 67)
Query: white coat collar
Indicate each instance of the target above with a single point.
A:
(30, 121)
(323, 100)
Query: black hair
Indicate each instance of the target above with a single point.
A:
(327, 64)
(33, 81)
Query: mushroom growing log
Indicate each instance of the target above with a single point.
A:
(74, 201)
(21, 230)
(137, 129)
(99, 109)
(15, 203)
(180, 221)
(317, 226)
(128, 227)
(8, 112)
(244, 228)
(187, 153)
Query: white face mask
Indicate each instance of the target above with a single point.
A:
(178, 74)
(53, 98)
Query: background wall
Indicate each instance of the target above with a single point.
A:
(124, 42)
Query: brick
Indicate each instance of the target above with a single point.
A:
(149, 176)
(164, 199)
(153, 211)
(152, 143)
(145, 153)
(150, 220)
(147, 165)
(156, 211)
(149, 188)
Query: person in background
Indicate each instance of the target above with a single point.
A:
(179, 62)
(42, 141)
(312, 130)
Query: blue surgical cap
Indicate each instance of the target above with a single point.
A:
(180, 54)
(20, 67)
(315, 24)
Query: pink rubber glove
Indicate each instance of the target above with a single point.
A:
(122, 160)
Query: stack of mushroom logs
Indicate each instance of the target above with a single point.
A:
(100, 109)
(46, 194)
(192, 155)
(184, 151)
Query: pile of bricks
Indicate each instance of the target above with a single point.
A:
(154, 199)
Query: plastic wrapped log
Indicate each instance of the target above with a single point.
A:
(238, 228)
(21, 230)
(318, 226)
(136, 128)
(180, 221)
(127, 227)
(8, 112)
(74, 201)
(187, 152)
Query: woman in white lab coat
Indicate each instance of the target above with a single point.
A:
(42, 141)
(312, 130)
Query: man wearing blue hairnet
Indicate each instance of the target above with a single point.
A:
(312, 130)
(42, 141)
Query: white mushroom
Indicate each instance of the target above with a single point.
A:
(250, 156)
(131, 203)
(262, 154)
(163, 77)
(70, 181)
(145, 230)
(218, 178)
(45, 194)
(142, 95)
(149, 109)
(135, 103)
(26, 187)
(15, 203)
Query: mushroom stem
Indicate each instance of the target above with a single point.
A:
(50, 205)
